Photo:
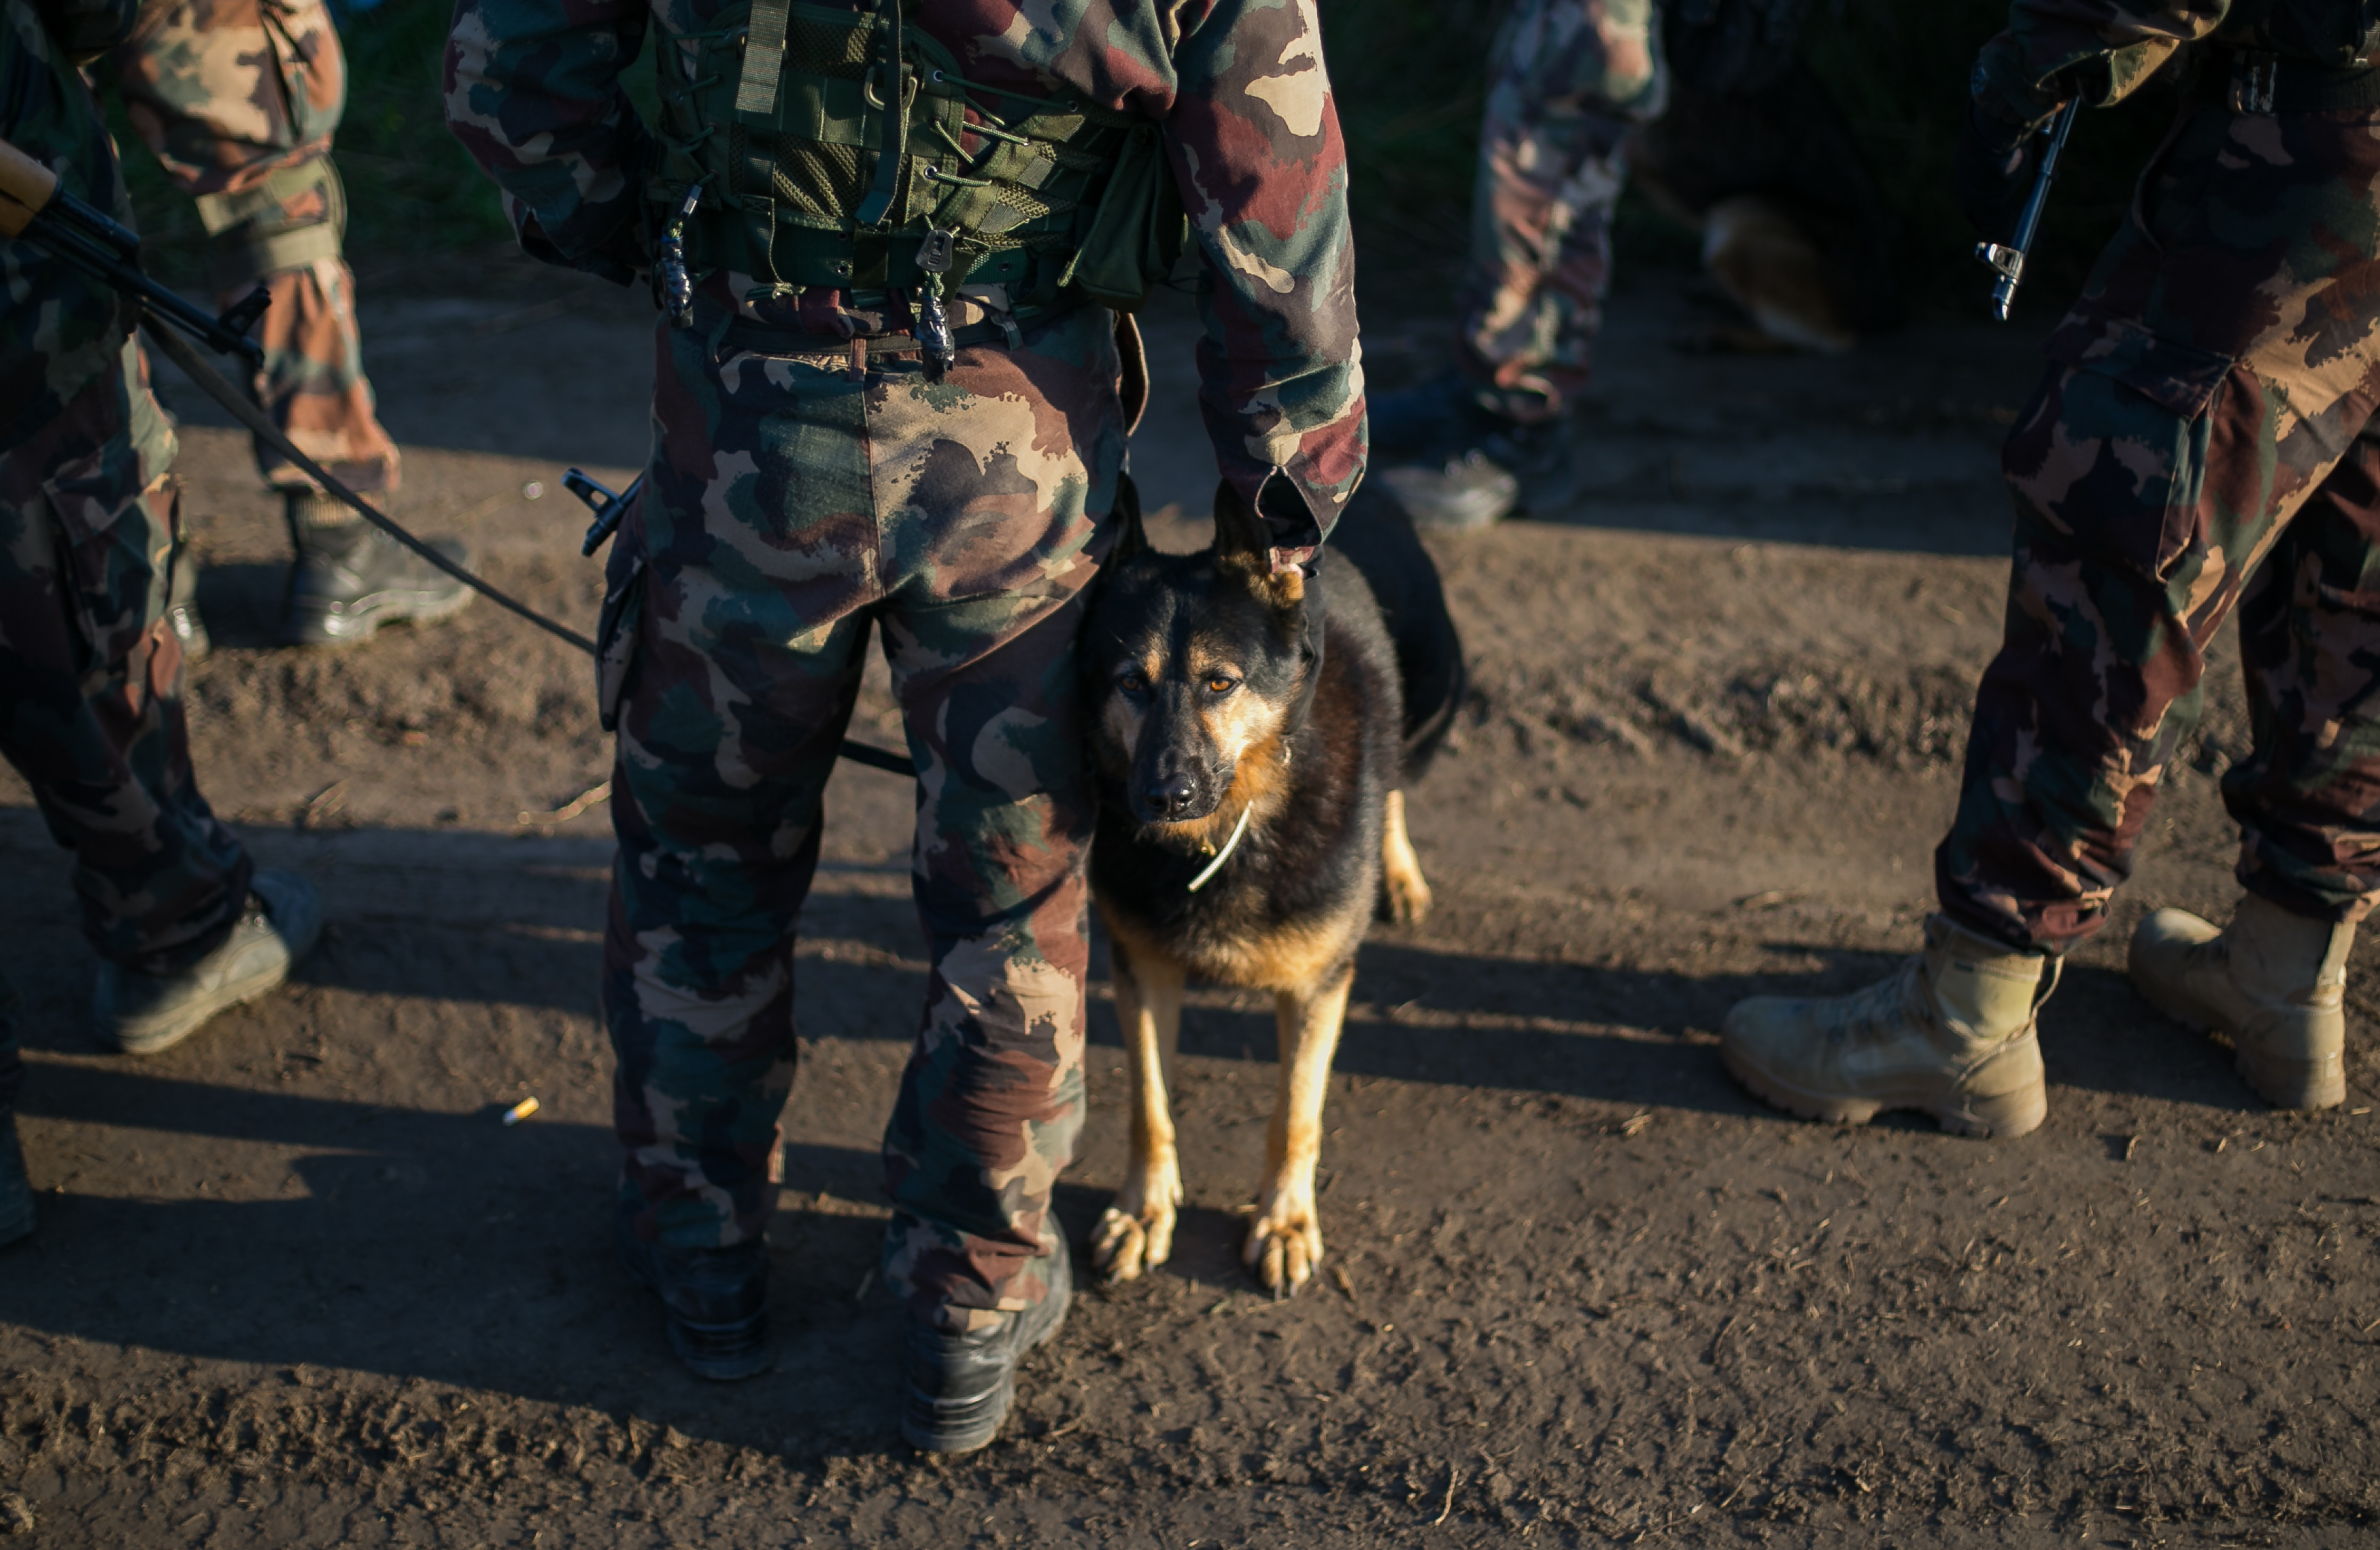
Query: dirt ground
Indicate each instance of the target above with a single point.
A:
(296, 1285)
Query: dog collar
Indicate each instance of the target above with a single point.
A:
(1225, 853)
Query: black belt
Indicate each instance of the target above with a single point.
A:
(2246, 80)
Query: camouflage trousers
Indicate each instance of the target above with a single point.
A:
(91, 678)
(2202, 439)
(795, 499)
(1569, 80)
(237, 99)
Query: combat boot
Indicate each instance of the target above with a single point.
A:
(1455, 464)
(352, 578)
(1951, 1033)
(960, 1385)
(2273, 982)
(16, 1188)
(141, 1014)
(717, 1301)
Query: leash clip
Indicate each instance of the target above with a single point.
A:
(934, 255)
(676, 287)
(2254, 79)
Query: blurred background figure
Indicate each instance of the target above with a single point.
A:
(239, 100)
(91, 675)
(1726, 133)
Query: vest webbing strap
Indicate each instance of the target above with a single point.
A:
(898, 93)
(764, 58)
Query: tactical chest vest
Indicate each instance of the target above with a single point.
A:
(829, 147)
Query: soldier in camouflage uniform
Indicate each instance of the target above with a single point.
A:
(90, 676)
(239, 100)
(2203, 438)
(813, 477)
(1569, 82)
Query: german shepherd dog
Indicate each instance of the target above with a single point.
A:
(1251, 741)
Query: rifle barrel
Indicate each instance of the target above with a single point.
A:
(2009, 260)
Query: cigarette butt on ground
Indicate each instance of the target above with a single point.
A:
(520, 1111)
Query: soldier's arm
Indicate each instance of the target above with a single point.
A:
(1255, 142)
(2097, 50)
(533, 92)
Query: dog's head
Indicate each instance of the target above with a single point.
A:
(1192, 667)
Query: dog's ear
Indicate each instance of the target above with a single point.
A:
(1134, 539)
(1244, 547)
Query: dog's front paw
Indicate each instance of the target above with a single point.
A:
(1284, 1245)
(1135, 1232)
(1125, 1244)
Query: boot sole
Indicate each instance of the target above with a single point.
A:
(313, 627)
(2002, 1116)
(2285, 1083)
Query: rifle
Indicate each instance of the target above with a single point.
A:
(2007, 261)
(34, 207)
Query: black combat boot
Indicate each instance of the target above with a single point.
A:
(1454, 463)
(716, 1300)
(16, 1188)
(352, 578)
(961, 1386)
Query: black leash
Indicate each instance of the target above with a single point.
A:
(212, 383)
(35, 209)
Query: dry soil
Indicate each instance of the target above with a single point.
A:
(294, 1284)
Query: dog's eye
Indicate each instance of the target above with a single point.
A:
(1133, 683)
(1220, 683)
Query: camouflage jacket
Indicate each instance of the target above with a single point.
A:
(58, 329)
(1238, 86)
(2101, 50)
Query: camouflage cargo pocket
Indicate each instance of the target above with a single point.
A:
(2127, 466)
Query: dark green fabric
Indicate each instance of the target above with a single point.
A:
(1058, 194)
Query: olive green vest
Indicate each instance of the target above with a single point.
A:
(786, 114)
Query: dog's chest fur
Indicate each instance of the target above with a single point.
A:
(1292, 899)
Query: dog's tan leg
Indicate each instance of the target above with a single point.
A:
(1137, 1233)
(1285, 1243)
(1400, 868)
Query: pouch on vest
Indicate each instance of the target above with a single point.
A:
(826, 144)
(1140, 230)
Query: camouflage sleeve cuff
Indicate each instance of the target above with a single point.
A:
(616, 261)
(533, 91)
(2025, 76)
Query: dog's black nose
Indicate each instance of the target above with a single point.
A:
(1170, 795)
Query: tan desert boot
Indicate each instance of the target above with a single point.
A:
(2276, 983)
(1951, 1033)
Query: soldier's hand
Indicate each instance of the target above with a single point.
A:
(1993, 167)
